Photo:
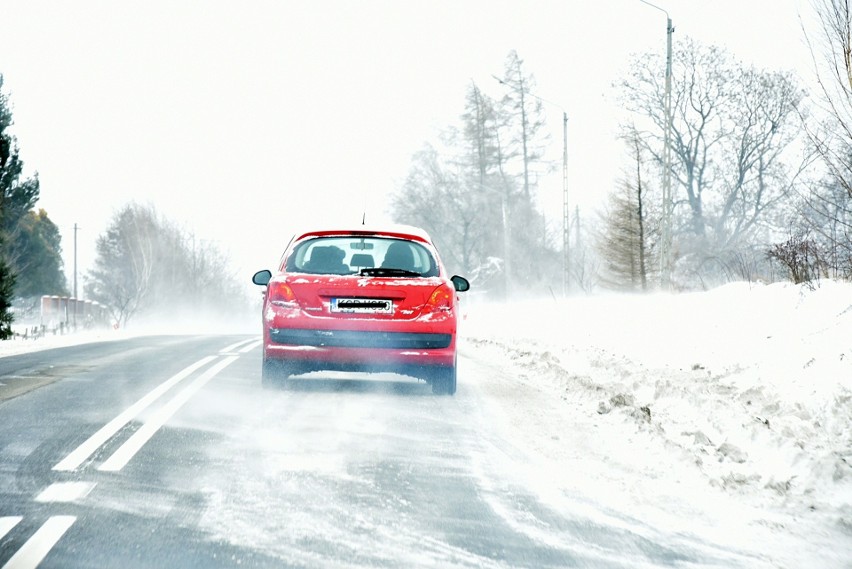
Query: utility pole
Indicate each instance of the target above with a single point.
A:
(666, 259)
(566, 230)
(75, 260)
(666, 244)
(75, 275)
(507, 245)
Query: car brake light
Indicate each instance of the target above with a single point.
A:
(281, 294)
(442, 299)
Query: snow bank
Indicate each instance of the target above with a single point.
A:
(748, 387)
(20, 345)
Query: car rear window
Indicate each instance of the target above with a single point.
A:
(348, 255)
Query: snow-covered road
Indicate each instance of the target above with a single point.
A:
(698, 430)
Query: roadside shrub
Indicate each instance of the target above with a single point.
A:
(800, 256)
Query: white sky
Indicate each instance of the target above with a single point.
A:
(238, 120)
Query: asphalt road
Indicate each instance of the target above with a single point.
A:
(166, 452)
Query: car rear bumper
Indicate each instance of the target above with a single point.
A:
(360, 343)
(360, 339)
(371, 359)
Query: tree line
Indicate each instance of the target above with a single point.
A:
(144, 262)
(737, 163)
(475, 189)
(147, 264)
(760, 171)
(761, 177)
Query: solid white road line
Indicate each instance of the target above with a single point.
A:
(93, 443)
(7, 523)
(39, 545)
(65, 492)
(126, 451)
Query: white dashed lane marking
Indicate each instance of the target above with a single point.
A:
(7, 523)
(39, 545)
(65, 492)
(36, 548)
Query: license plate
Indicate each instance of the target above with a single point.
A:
(362, 305)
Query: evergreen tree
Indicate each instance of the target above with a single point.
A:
(10, 171)
(30, 250)
(7, 285)
(34, 248)
(625, 244)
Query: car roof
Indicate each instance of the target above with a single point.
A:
(390, 230)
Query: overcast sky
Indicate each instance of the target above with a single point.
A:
(239, 120)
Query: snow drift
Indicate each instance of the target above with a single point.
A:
(739, 395)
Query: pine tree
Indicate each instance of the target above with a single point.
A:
(624, 244)
(35, 253)
(30, 251)
(7, 288)
(9, 172)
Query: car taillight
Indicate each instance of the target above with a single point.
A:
(442, 299)
(281, 294)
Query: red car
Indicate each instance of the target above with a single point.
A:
(364, 300)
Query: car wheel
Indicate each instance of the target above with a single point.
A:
(273, 374)
(443, 380)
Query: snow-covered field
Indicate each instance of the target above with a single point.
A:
(733, 405)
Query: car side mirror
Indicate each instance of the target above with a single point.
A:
(461, 284)
(262, 278)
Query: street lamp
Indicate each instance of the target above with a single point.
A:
(665, 248)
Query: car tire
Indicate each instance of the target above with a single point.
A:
(273, 374)
(443, 380)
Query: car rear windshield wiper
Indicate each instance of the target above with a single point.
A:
(387, 272)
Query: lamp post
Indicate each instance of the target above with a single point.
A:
(665, 248)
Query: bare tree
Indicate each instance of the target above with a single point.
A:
(461, 194)
(697, 107)
(826, 208)
(479, 136)
(834, 77)
(761, 172)
(733, 135)
(480, 162)
(121, 277)
(466, 190)
(434, 197)
(524, 117)
(144, 264)
(825, 213)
